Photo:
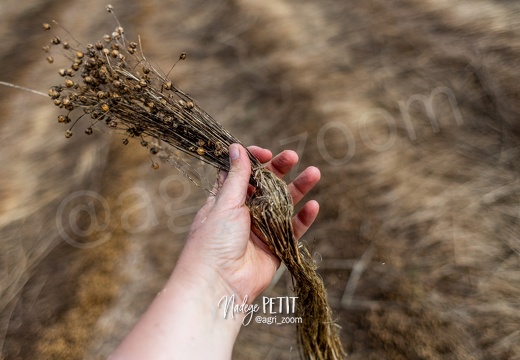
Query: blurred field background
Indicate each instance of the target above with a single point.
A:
(409, 108)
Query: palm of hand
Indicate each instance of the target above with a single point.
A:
(222, 231)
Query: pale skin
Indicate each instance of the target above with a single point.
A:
(222, 257)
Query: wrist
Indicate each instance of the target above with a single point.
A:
(185, 321)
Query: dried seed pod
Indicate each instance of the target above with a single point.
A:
(53, 93)
(167, 85)
(68, 133)
(63, 119)
(46, 26)
(88, 131)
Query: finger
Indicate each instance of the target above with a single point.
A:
(282, 163)
(303, 183)
(234, 187)
(263, 155)
(305, 217)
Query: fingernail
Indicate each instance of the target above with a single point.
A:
(234, 152)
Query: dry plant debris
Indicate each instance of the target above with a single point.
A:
(111, 82)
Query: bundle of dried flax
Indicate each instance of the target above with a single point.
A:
(117, 86)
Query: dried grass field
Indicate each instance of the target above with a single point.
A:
(409, 108)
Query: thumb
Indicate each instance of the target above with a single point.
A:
(234, 188)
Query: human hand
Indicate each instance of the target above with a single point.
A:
(222, 257)
(221, 240)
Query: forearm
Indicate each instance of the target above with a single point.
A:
(184, 321)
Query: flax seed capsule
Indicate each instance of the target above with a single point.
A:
(63, 119)
(53, 93)
(167, 85)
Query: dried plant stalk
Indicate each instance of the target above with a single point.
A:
(118, 87)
